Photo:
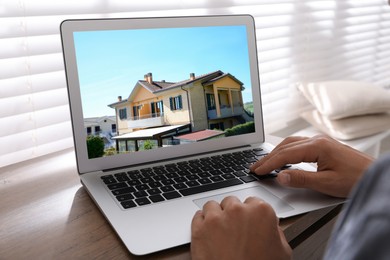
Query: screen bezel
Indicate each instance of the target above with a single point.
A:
(68, 27)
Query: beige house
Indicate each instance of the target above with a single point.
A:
(209, 101)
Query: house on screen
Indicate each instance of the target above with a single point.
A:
(209, 101)
(104, 126)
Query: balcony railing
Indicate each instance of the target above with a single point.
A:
(226, 112)
(150, 120)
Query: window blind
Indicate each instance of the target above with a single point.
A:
(298, 40)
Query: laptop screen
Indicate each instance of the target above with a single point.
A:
(147, 89)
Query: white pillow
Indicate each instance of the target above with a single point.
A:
(351, 127)
(339, 99)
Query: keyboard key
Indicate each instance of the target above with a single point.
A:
(239, 173)
(133, 182)
(215, 172)
(227, 176)
(167, 188)
(109, 180)
(192, 177)
(204, 181)
(124, 197)
(238, 167)
(142, 201)
(248, 178)
(128, 204)
(135, 175)
(226, 170)
(168, 182)
(229, 164)
(156, 198)
(123, 191)
(172, 175)
(122, 178)
(159, 171)
(147, 180)
(180, 179)
(251, 160)
(204, 174)
(117, 186)
(183, 172)
(206, 168)
(216, 178)
(140, 194)
(171, 195)
(142, 187)
(195, 170)
(209, 187)
(153, 191)
(179, 186)
(159, 177)
(192, 183)
(155, 184)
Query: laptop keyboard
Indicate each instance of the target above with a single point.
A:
(161, 183)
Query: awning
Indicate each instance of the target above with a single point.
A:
(151, 133)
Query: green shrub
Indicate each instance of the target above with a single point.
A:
(248, 127)
(148, 145)
(95, 146)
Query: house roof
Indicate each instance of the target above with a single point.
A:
(200, 135)
(160, 86)
(211, 81)
(93, 121)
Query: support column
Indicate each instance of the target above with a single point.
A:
(217, 104)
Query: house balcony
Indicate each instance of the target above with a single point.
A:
(145, 121)
(226, 111)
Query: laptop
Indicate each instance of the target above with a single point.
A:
(167, 115)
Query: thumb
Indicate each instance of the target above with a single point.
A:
(296, 178)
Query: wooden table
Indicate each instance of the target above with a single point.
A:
(47, 214)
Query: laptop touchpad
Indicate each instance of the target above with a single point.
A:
(278, 205)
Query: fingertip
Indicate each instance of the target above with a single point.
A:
(252, 199)
(254, 166)
(198, 216)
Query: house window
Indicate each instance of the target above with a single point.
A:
(97, 129)
(122, 113)
(210, 101)
(113, 128)
(89, 130)
(176, 103)
(157, 108)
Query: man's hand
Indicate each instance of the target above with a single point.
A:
(339, 166)
(236, 230)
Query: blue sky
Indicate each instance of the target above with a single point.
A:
(111, 62)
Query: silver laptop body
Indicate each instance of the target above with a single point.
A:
(157, 92)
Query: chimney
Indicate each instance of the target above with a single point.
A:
(119, 98)
(148, 77)
(192, 76)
